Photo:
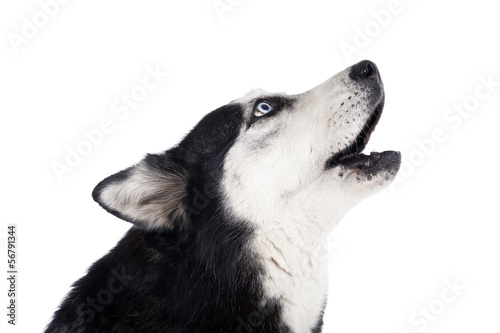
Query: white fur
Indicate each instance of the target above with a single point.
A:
(147, 196)
(275, 178)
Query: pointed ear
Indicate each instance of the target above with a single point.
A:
(151, 194)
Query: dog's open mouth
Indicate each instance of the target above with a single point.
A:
(351, 156)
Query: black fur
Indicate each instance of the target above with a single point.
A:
(201, 280)
(319, 324)
(198, 276)
(202, 277)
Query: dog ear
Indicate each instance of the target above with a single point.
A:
(151, 194)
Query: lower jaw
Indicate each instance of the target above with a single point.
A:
(374, 162)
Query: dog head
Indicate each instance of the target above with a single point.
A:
(265, 154)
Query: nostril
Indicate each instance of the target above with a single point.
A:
(364, 69)
(369, 69)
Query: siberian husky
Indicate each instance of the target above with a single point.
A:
(227, 224)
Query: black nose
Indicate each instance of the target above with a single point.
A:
(364, 69)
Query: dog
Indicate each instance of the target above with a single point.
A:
(227, 224)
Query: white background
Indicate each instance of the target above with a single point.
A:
(391, 255)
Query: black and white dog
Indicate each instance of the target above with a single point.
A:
(227, 224)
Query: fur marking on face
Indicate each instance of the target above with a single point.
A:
(230, 225)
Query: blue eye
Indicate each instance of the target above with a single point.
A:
(262, 108)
